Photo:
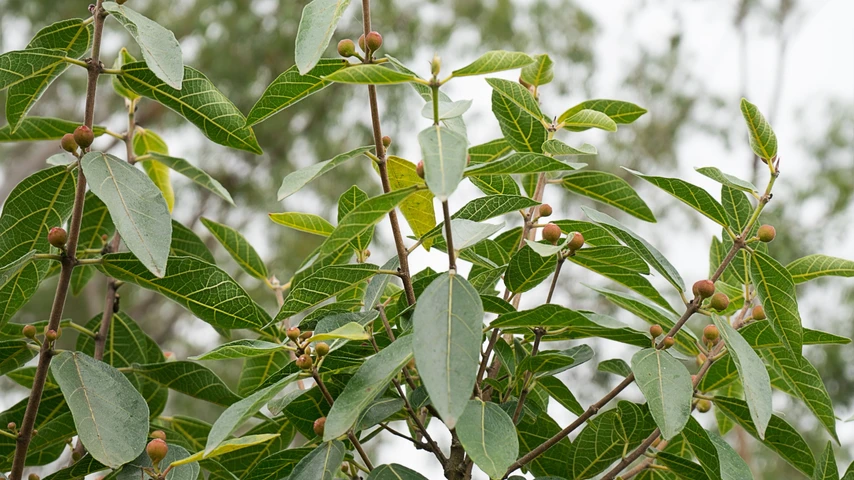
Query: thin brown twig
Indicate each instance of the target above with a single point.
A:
(68, 262)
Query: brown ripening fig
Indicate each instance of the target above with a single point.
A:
(57, 236)
(83, 136)
(29, 331)
(719, 301)
(545, 210)
(346, 48)
(156, 450)
(766, 233)
(759, 312)
(374, 41)
(319, 425)
(551, 233)
(656, 331)
(669, 342)
(68, 144)
(293, 333)
(704, 289)
(419, 168)
(576, 242)
(710, 333)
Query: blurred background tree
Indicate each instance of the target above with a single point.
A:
(686, 62)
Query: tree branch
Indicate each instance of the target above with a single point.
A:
(68, 262)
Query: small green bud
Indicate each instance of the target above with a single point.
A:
(57, 236)
(68, 144)
(346, 48)
(766, 233)
(576, 242)
(303, 362)
(551, 233)
(704, 288)
(321, 349)
(361, 42)
(374, 41)
(710, 333)
(656, 331)
(319, 425)
(719, 301)
(759, 313)
(545, 210)
(83, 136)
(29, 331)
(435, 65)
(703, 405)
(157, 450)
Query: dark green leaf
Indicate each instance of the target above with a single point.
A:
(134, 469)
(188, 282)
(826, 468)
(238, 247)
(814, 266)
(618, 111)
(776, 291)
(185, 243)
(540, 72)
(554, 460)
(522, 130)
(290, 87)
(609, 262)
(729, 180)
(323, 284)
(488, 435)
(14, 354)
(277, 465)
(691, 195)
(348, 201)
(368, 75)
(190, 379)
(517, 163)
(561, 393)
(494, 61)
(323, 463)
(608, 189)
(41, 128)
(198, 101)
(240, 349)
(763, 141)
(527, 269)
(616, 366)
(197, 175)
(393, 471)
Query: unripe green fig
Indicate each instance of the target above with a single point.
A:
(346, 48)
(293, 333)
(57, 236)
(711, 333)
(51, 336)
(719, 301)
(83, 136)
(68, 144)
(304, 362)
(703, 405)
(545, 210)
(656, 331)
(704, 288)
(766, 233)
(374, 41)
(362, 42)
(29, 331)
(576, 242)
(551, 233)
(157, 450)
(319, 425)
(33, 476)
(759, 312)
(321, 349)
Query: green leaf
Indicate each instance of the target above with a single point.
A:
(186, 243)
(110, 415)
(323, 463)
(776, 291)
(291, 87)
(27, 74)
(653, 314)
(608, 189)
(361, 219)
(188, 282)
(489, 151)
(488, 435)
(494, 61)
(144, 142)
(393, 471)
(666, 385)
(198, 101)
(446, 109)
(160, 49)
(801, 379)
(348, 331)
(11, 271)
(484, 208)
(95, 223)
(682, 467)
(639, 245)
(444, 153)
(123, 58)
(346, 203)
(418, 208)
(517, 163)
(524, 131)
(238, 247)
(561, 393)
(779, 436)
(467, 233)
(240, 349)
(294, 181)
(41, 201)
(321, 285)
(14, 354)
(763, 141)
(826, 468)
(368, 75)
(41, 128)
(197, 175)
(258, 372)
(527, 269)
(73, 35)
(135, 469)
(618, 264)
(691, 195)
(448, 322)
(304, 222)
(136, 207)
(377, 286)
(557, 148)
(190, 379)
(241, 411)
(618, 111)
(814, 266)
(554, 460)
(370, 380)
(754, 377)
(540, 72)
(725, 179)
(316, 27)
(616, 366)
(277, 465)
(586, 119)
(80, 469)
